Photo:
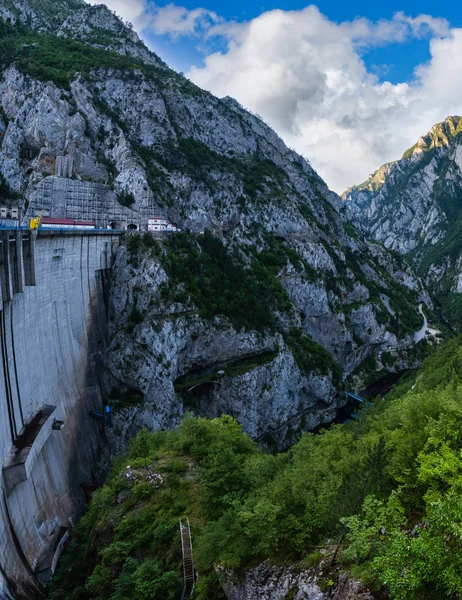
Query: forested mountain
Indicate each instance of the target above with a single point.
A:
(263, 306)
(388, 482)
(286, 298)
(414, 206)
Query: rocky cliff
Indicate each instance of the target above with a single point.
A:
(140, 140)
(413, 206)
(270, 582)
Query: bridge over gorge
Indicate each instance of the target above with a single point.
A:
(53, 287)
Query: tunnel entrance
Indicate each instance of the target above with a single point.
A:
(132, 227)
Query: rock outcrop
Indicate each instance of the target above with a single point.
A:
(179, 360)
(267, 582)
(138, 140)
(413, 206)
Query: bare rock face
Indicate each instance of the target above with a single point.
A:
(347, 589)
(413, 219)
(413, 206)
(267, 582)
(140, 140)
(250, 375)
(78, 20)
(86, 24)
(401, 203)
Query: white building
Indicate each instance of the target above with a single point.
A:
(161, 224)
(9, 213)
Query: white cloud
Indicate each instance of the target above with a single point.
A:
(305, 75)
(171, 20)
(129, 10)
(176, 20)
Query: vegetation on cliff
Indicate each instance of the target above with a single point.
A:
(51, 58)
(414, 205)
(219, 167)
(244, 288)
(390, 481)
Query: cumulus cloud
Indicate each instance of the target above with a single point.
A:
(176, 20)
(171, 20)
(306, 76)
(130, 10)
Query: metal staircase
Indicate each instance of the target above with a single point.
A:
(188, 564)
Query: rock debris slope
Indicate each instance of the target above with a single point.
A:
(78, 83)
(414, 205)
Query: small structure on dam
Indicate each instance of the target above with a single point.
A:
(53, 286)
(62, 195)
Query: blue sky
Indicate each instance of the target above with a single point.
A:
(395, 62)
(350, 85)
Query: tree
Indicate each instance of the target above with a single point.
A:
(140, 447)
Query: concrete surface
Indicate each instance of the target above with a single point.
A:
(51, 336)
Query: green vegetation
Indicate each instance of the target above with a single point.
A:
(49, 7)
(258, 176)
(156, 178)
(135, 317)
(220, 282)
(233, 370)
(51, 58)
(276, 255)
(375, 183)
(390, 481)
(144, 244)
(311, 356)
(120, 400)
(449, 197)
(403, 301)
(440, 135)
(126, 199)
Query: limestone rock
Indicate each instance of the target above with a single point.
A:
(413, 206)
(267, 582)
(140, 140)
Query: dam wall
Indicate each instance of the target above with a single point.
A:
(52, 333)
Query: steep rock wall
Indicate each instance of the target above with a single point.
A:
(413, 205)
(270, 582)
(180, 361)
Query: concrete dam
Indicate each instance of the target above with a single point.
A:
(53, 322)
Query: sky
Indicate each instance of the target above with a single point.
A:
(349, 85)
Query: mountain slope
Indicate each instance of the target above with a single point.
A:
(140, 140)
(387, 484)
(95, 25)
(414, 206)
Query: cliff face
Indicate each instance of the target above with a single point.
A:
(413, 206)
(143, 140)
(276, 583)
(75, 19)
(275, 379)
(180, 360)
